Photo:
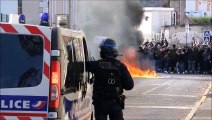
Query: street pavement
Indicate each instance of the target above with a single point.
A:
(204, 110)
(167, 97)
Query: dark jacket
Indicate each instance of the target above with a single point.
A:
(102, 69)
(125, 77)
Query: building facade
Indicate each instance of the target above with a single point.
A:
(30, 8)
(179, 7)
(191, 8)
(154, 18)
(199, 8)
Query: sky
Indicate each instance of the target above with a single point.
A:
(9, 6)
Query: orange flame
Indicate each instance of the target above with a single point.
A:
(130, 59)
(137, 72)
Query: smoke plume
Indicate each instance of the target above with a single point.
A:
(115, 19)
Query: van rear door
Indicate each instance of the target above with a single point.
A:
(24, 71)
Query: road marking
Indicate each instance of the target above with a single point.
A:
(152, 84)
(161, 107)
(201, 118)
(174, 95)
(194, 109)
(163, 76)
(157, 87)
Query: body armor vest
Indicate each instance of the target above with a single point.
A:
(107, 84)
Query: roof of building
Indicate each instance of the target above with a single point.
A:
(189, 20)
(154, 3)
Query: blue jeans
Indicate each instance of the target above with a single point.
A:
(180, 66)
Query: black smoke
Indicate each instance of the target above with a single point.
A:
(118, 19)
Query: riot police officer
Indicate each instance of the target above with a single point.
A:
(110, 78)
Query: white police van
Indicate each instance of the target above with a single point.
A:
(43, 74)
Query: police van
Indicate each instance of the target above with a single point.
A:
(43, 73)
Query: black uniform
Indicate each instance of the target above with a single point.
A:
(111, 77)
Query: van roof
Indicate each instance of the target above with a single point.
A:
(65, 30)
(24, 24)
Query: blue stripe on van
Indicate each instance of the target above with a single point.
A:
(23, 103)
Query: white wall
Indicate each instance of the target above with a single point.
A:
(30, 8)
(157, 17)
(58, 7)
(160, 18)
(9, 6)
(146, 26)
(44, 4)
(84, 18)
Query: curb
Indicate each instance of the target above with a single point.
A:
(194, 109)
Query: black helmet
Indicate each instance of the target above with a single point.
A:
(108, 48)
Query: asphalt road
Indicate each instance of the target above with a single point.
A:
(168, 97)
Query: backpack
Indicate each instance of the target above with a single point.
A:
(107, 83)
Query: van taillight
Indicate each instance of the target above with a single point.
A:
(55, 84)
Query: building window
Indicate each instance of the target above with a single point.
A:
(147, 18)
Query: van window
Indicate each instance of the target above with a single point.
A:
(21, 60)
(70, 77)
(79, 49)
(76, 65)
(80, 61)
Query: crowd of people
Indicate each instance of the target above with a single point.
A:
(184, 59)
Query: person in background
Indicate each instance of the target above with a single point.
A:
(206, 55)
(172, 59)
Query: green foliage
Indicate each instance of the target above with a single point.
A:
(202, 20)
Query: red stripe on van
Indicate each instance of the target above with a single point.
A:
(24, 118)
(2, 118)
(35, 30)
(23, 114)
(8, 28)
(46, 70)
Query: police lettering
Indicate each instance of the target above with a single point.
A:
(19, 104)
